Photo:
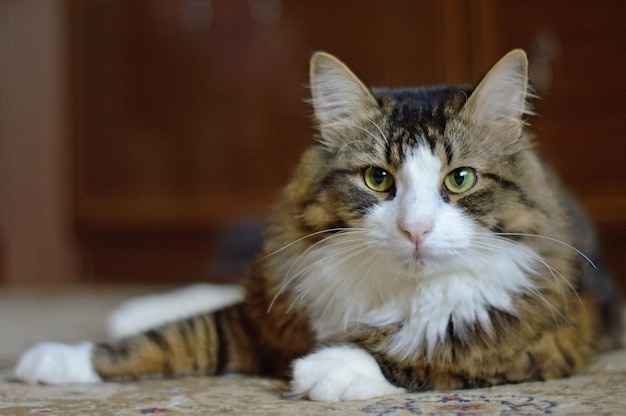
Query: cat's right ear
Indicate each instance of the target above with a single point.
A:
(339, 98)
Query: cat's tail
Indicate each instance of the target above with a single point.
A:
(212, 343)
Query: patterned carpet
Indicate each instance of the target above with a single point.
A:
(37, 315)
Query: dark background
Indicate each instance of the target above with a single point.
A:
(142, 141)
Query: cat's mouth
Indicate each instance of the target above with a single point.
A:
(421, 262)
(416, 261)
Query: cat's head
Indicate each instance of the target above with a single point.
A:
(428, 203)
(423, 172)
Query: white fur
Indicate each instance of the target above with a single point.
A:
(340, 372)
(376, 275)
(56, 363)
(142, 313)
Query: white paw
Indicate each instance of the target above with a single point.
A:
(56, 363)
(145, 312)
(340, 373)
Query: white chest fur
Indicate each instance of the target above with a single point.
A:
(362, 291)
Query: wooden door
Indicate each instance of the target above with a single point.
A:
(189, 115)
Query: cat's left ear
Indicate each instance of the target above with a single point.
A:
(499, 102)
(339, 98)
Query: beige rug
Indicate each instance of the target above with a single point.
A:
(72, 314)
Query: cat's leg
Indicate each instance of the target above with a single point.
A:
(340, 372)
(145, 312)
(204, 344)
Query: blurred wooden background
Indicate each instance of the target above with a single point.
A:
(142, 141)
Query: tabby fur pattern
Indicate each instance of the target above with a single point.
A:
(422, 243)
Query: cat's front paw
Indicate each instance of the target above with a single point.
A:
(56, 363)
(339, 373)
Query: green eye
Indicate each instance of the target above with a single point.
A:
(460, 180)
(378, 179)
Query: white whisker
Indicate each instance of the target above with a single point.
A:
(330, 230)
(360, 276)
(341, 254)
(291, 276)
(386, 141)
(583, 255)
(348, 144)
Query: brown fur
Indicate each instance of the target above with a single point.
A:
(553, 332)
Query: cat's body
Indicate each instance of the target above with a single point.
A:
(421, 243)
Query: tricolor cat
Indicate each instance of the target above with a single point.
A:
(422, 243)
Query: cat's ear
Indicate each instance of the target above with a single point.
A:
(339, 98)
(499, 102)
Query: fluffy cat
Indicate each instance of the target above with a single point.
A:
(421, 244)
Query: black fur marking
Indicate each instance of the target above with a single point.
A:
(479, 203)
(411, 378)
(533, 368)
(445, 194)
(449, 153)
(222, 344)
(358, 199)
(123, 351)
(419, 116)
(504, 183)
(110, 352)
(161, 342)
(335, 176)
(158, 339)
(571, 361)
(510, 186)
(186, 329)
(323, 185)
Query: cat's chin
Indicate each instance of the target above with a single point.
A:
(429, 262)
(418, 265)
(415, 262)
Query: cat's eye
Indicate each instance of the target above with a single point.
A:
(460, 180)
(378, 179)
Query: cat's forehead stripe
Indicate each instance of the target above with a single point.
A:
(419, 117)
(449, 152)
(404, 146)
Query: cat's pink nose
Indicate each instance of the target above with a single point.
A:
(417, 232)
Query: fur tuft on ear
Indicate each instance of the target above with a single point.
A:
(499, 102)
(339, 98)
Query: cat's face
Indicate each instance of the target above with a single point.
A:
(418, 173)
(420, 227)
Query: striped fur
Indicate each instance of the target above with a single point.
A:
(443, 287)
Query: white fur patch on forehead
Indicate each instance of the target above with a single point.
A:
(420, 167)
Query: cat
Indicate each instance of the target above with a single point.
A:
(422, 243)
